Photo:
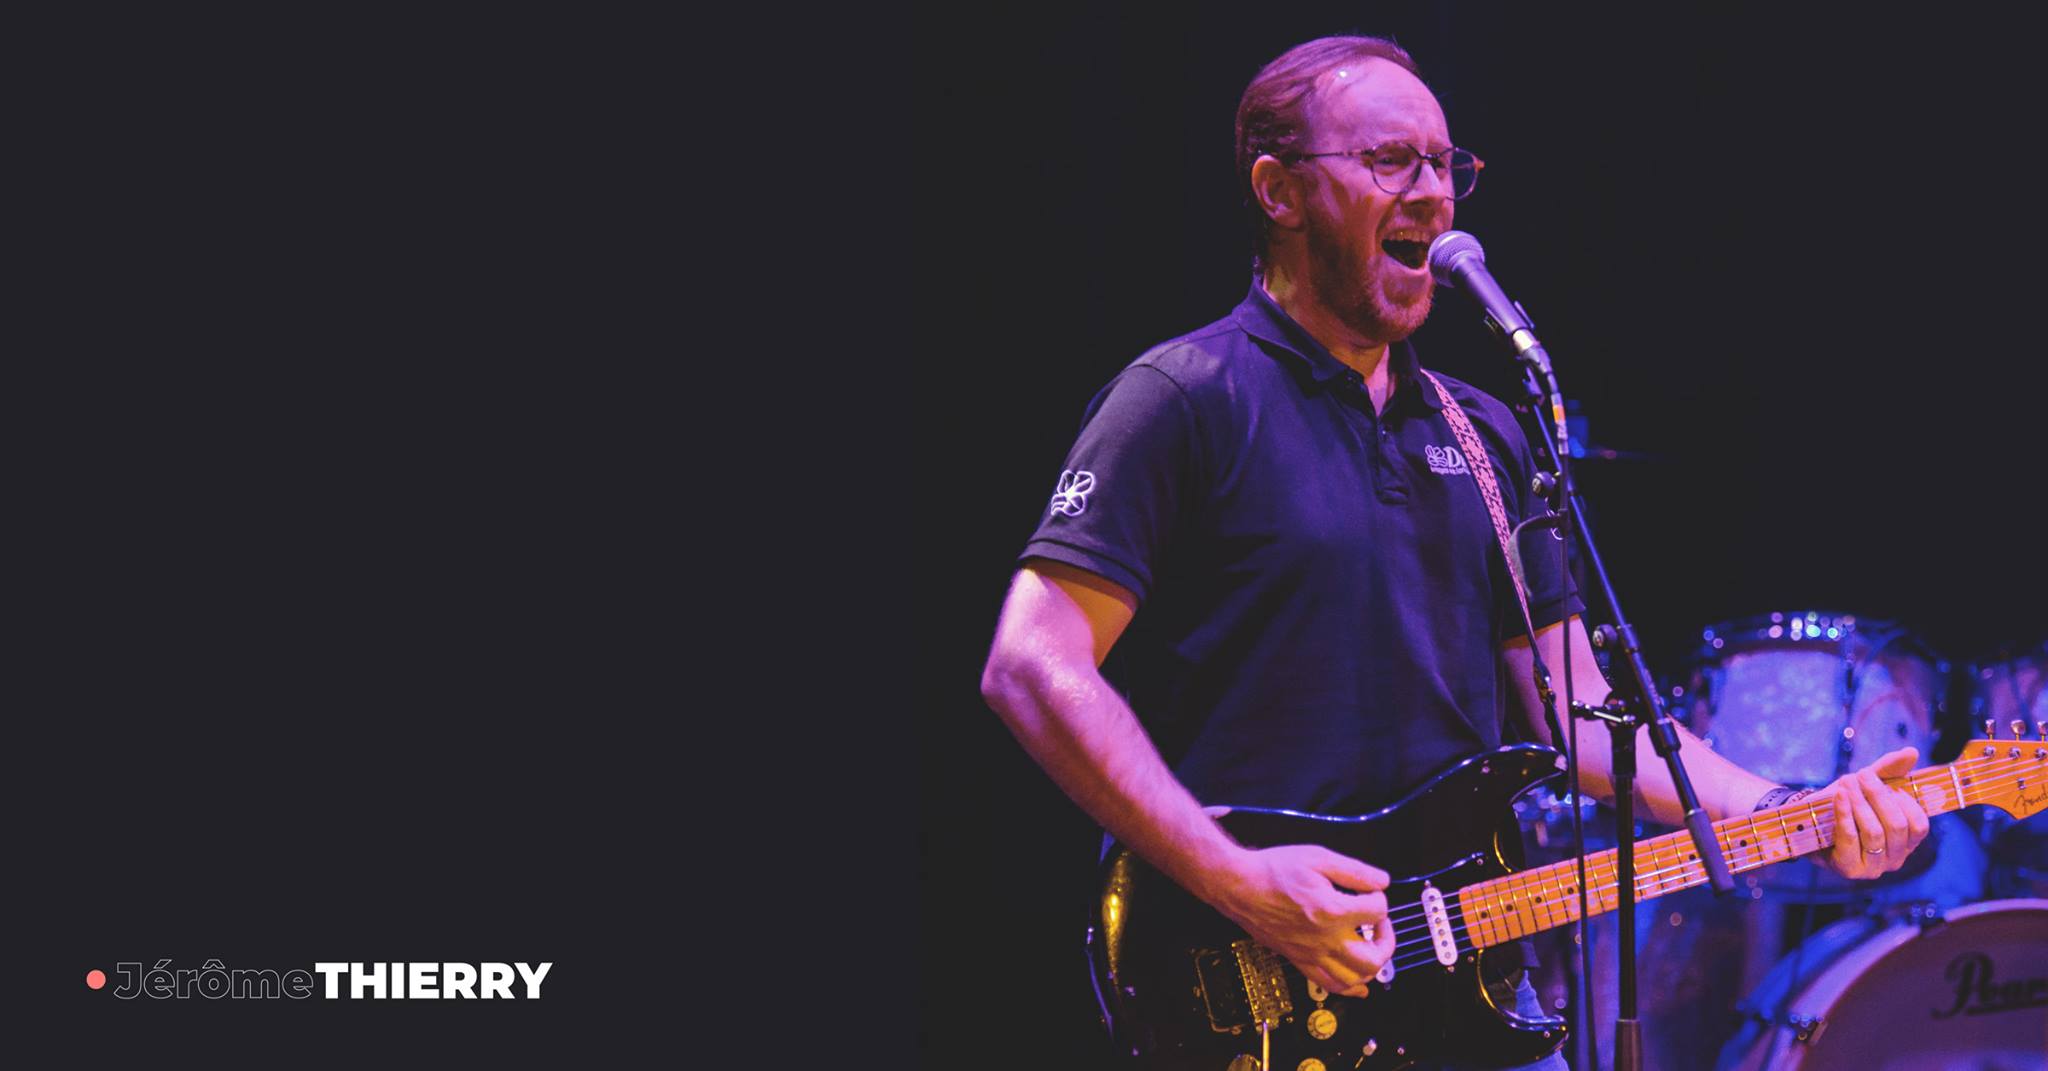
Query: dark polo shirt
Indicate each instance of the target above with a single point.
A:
(1322, 599)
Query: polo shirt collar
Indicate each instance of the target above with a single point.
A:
(1263, 318)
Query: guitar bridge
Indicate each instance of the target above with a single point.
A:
(1243, 987)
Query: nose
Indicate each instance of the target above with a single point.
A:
(1429, 184)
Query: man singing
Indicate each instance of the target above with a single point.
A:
(1327, 617)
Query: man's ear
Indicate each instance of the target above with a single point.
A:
(1280, 191)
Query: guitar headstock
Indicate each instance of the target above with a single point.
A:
(2010, 774)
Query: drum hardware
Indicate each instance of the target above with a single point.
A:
(1806, 1029)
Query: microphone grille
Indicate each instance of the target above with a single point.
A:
(1448, 250)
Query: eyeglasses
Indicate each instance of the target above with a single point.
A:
(1396, 166)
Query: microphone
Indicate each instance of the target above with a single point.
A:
(1457, 260)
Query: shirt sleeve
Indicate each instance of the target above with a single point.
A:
(1124, 483)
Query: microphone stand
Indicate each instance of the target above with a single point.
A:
(1632, 704)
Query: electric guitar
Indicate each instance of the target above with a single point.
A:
(1181, 986)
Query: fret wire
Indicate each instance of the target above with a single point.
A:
(1513, 908)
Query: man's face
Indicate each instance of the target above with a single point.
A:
(1369, 248)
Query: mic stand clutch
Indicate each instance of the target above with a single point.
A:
(1633, 704)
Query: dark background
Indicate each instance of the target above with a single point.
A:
(338, 628)
(1789, 256)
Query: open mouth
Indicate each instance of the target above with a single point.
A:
(1411, 253)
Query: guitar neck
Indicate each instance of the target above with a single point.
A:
(1530, 901)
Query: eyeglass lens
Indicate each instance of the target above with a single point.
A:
(1397, 167)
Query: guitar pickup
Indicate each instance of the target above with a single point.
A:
(1441, 935)
(1242, 987)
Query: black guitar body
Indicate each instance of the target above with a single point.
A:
(1181, 986)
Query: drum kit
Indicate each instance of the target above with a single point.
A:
(1942, 964)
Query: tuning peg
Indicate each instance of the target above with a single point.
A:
(2019, 728)
(1990, 728)
(2041, 730)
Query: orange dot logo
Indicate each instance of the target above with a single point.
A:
(95, 979)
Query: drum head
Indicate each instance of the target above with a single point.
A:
(1803, 697)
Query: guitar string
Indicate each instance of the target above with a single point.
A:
(1412, 934)
(1652, 868)
(1461, 929)
(1690, 871)
(1694, 872)
(1526, 887)
(1530, 886)
(1658, 867)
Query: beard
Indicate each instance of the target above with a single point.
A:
(1355, 281)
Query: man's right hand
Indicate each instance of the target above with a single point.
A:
(1057, 625)
(1308, 903)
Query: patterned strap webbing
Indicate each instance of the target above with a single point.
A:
(1481, 465)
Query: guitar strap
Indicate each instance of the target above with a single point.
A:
(1476, 459)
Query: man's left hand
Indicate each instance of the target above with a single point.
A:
(1876, 826)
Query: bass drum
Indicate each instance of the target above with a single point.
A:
(1701, 953)
(2004, 689)
(1804, 697)
(1968, 993)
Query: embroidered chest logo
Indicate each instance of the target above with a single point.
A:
(1445, 460)
(1071, 496)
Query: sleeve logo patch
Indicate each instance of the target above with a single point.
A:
(1070, 497)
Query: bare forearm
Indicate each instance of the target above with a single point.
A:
(1724, 789)
(1088, 740)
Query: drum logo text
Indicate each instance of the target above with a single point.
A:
(1972, 974)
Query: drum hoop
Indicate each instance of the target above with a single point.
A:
(1747, 634)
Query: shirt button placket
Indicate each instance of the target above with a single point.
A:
(1386, 464)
